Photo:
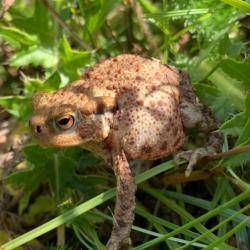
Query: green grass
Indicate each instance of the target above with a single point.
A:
(47, 44)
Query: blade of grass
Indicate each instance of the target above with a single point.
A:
(220, 190)
(84, 207)
(206, 205)
(174, 239)
(155, 212)
(159, 221)
(171, 245)
(216, 227)
(159, 227)
(238, 4)
(183, 213)
(224, 83)
(190, 224)
(80, 238)
(91, 236)
(228, 234)
(175, 13)
(151, 233)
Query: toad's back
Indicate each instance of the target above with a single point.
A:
(131, 71)
(148, 118)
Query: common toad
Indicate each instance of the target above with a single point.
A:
(126, 107)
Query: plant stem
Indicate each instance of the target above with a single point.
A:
(61, 235)
(233, 151)
(61, 22)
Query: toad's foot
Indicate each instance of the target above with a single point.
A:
(194, 156)
(212, 147)
(114, 244)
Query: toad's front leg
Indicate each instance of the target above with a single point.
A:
(125, 199)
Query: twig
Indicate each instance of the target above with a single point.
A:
(233, 151)
(129, 21)
(145, 27)
(61, 236)
(59, 19)
(196, 175)
(173, 178)
(113, 34)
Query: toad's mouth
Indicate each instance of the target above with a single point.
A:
(59, 140)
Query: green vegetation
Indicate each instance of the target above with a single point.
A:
(63, 194)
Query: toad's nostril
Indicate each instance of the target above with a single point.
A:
(38, 129)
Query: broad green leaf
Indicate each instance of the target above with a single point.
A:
(220, 104)
(29, 179)
(24, 202)
(231, 88)
(35, 56)
(18, 106)
(58, 168)
(39, 24)
(50, 84)
(18, 36)
(238, 70)
(234, 89)
(88, 160)
(231, 78)
(42, 204)
(231, 47)
(95, 13)
(71, 61)
(61, 174)
(36, 172)
(235, 125)
(239, 126)
(21, 8)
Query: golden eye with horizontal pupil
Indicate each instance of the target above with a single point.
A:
(65, 122)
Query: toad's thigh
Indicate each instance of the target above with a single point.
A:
(150, 131)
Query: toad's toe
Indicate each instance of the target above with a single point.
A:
(115, 244)
(193, 157)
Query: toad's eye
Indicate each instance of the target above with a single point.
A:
(65, 122)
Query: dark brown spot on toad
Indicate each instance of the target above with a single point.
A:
(164, 145)
(146, 149)
(177, 141)
(139, 78)
(140, 102)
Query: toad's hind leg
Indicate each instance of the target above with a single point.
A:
(197, 115)
(125, 199)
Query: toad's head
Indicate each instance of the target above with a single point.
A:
(70, 117)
